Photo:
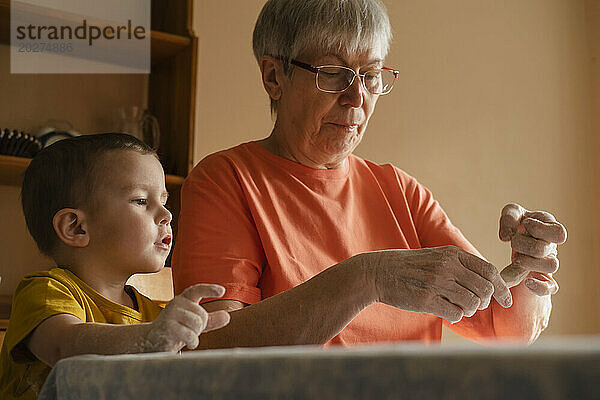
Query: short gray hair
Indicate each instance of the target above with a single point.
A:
(286, 28)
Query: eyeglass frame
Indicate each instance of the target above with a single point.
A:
(315, 69)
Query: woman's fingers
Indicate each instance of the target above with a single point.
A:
(539, 224)
(443, 308)
(528, 245)
(509, 221)
(513, 275)
(546, 265)
(462, 297)
(444, 281)
(547, 229)
(541, 286)
(488, 272)
(479, 286)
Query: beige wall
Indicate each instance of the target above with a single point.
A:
(493, 106)
(593, 28)
(89, 102)
(230, 106)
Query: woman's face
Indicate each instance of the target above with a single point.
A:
(320, 129)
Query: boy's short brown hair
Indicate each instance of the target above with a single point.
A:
(64, 175)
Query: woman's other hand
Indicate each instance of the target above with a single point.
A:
(445, 281)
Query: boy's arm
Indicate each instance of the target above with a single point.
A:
(179, 325)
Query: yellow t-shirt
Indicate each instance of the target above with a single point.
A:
(41, 295)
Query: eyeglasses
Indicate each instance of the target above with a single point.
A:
(337, 78)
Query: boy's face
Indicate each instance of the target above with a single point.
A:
(128, 224)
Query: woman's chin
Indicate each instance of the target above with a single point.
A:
(341, 145)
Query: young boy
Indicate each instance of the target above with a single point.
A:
(96, 205)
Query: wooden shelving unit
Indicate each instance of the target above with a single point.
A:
(171, 91)
(12, 169)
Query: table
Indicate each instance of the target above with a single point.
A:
(555, 369)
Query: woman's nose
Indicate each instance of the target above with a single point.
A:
(353, 96)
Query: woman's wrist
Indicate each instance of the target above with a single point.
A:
(362, 269)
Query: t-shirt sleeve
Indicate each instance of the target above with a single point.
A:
(433, 226)
(217, 241)
(435, 229)
(35, 300)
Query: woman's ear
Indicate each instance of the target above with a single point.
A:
(70, 227)
(272, 74)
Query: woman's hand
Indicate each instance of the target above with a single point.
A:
(534, 236)
(183, 320)
(445, 281)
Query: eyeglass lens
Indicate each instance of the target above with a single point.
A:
(338, 79)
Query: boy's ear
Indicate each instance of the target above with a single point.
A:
(70, 226)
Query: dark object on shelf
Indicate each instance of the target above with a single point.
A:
(54, 136)
(18, 144)
(56, 130)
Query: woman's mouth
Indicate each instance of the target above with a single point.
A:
(344, 126)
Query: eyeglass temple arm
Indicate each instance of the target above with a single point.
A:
(305, 66)
(395, 72)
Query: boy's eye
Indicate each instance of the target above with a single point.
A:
(140, 202)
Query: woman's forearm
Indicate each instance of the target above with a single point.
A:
(526, 319)
(311, 313)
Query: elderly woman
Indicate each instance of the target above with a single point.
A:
(315, 245)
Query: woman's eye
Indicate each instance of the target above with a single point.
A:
(332, 72)
(372, 75)
(140, 202)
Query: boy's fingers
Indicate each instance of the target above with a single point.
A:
(216, 320)
(197, 292)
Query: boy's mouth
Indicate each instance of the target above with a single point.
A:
(165, 243)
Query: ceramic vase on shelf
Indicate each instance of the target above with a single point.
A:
(141, 124)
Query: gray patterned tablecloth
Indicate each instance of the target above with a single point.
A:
(557, 369)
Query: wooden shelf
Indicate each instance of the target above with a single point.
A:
(5, 306)
(162, 45)
(12, 168)
(165, 45)
(174, 180)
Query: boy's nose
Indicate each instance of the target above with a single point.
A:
(165, 216)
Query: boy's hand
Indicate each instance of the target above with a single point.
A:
(183, 320)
